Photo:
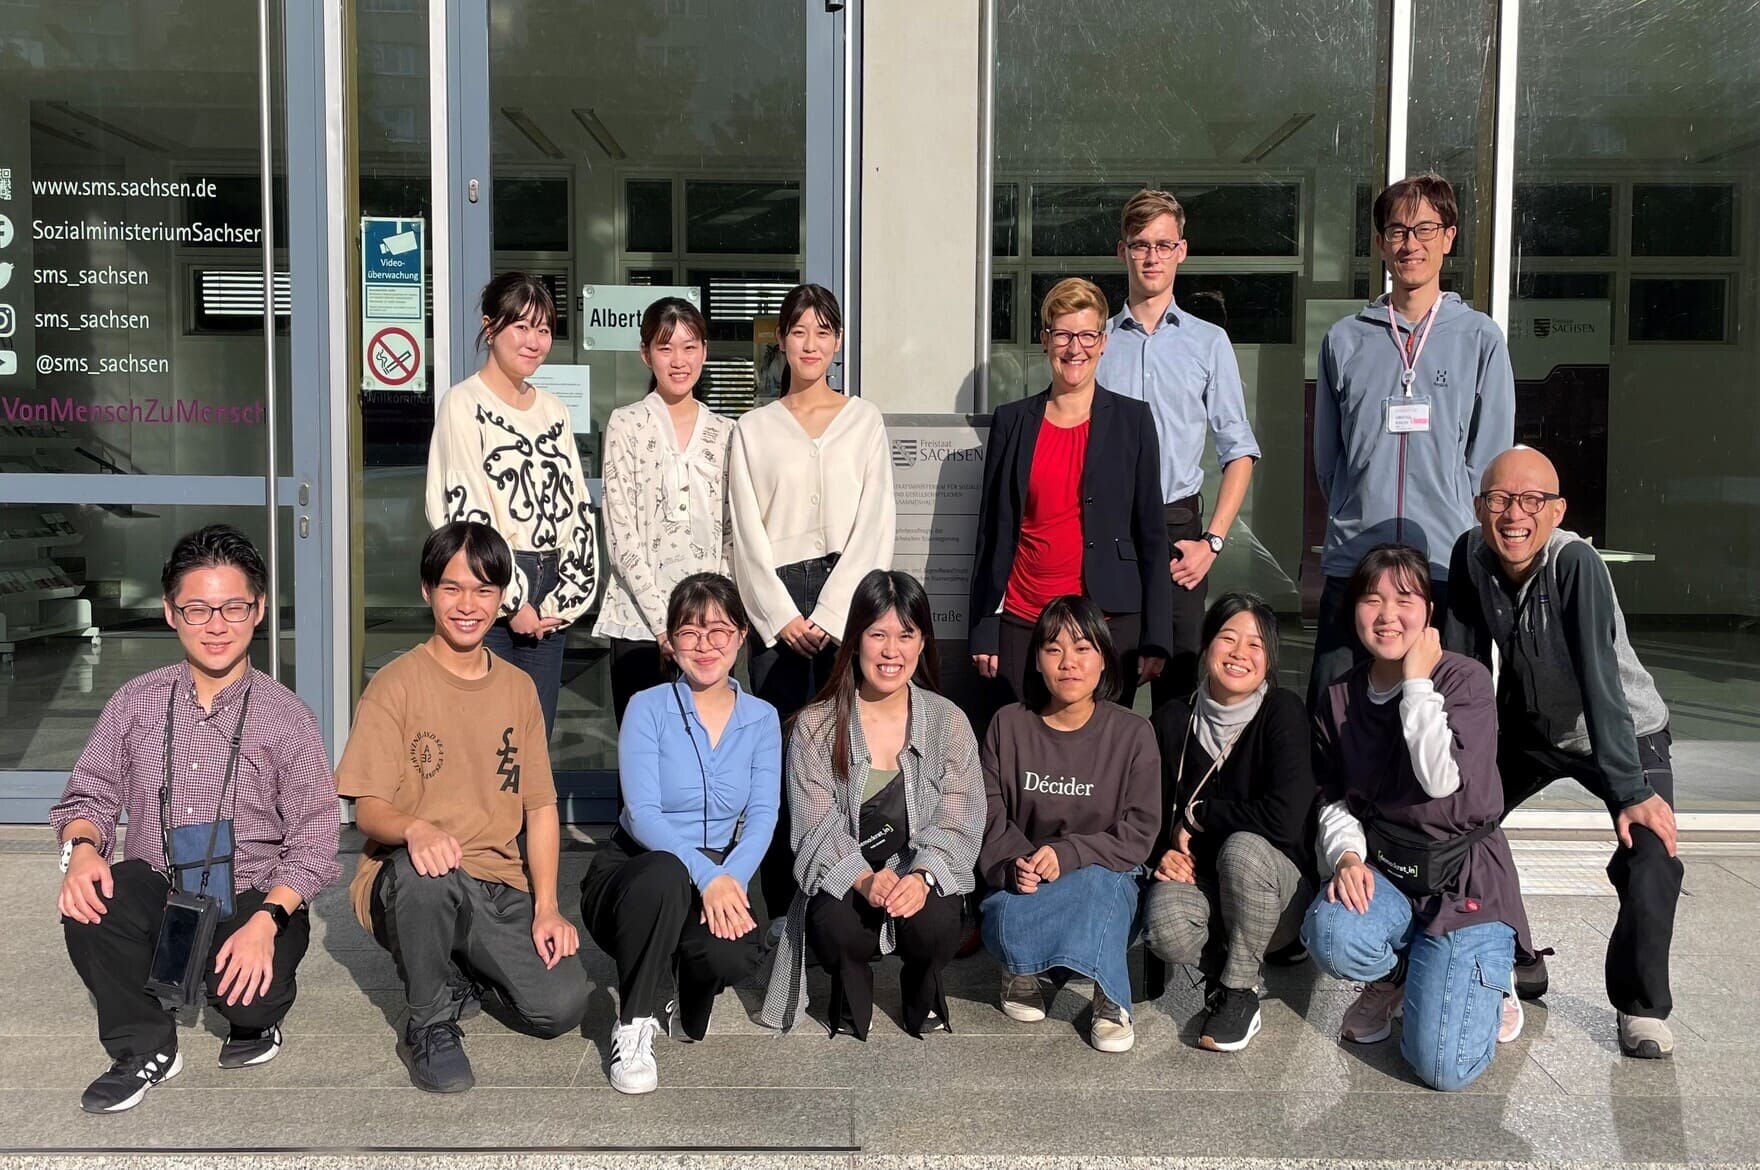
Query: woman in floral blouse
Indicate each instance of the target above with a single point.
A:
(665, 497)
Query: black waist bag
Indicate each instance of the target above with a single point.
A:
(1417, 864)
(885, 824)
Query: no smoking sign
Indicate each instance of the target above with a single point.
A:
(395, 356)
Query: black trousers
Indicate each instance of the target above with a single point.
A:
(788, 682)
(635, 666)
(1017, 633)
(845, 936)
(1336, 645)
(1646, 878)
(114, 957)
(642, 910)
(1179, 678)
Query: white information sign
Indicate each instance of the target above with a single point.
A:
(1544, 335)
(611, 314)
(572, 384)
(393, 315)
(938, 481)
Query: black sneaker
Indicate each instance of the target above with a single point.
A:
(1232, 1022)
(243, 1049)
(128, 1081)
(437, 1063)
(468, 995)
(1531, 978)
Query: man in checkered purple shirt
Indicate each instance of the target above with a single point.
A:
(281, 801)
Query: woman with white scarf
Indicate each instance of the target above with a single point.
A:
(1233, 868)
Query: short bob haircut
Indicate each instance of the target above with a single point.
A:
(1410, 569)
(1404, 196)
(1072, 294)
(698, 595)
(218, 546)
(1146, 205)
(1225, 610)
(513, 297)
(1083, 620)
(484, 550)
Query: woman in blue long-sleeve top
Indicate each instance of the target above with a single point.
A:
(668, 891)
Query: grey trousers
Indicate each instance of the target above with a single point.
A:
(1225, 923)
(454, 930)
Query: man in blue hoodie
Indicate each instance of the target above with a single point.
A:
(1415, 398)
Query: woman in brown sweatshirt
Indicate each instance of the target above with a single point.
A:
(1073, 785)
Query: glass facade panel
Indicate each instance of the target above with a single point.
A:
(1657, 103)
(131, 240)
(1269, 175)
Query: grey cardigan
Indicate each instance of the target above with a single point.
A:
(944, 796)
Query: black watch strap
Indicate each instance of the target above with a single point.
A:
(279, 914)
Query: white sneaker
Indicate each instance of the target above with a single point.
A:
(1111, 1030)
(1513, 1017)
(632, 1056)
(1022, 999)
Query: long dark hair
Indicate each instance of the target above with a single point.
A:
(1084, 621)
(511, 297)
(821, 300)
(1224, 611)
(881, 592)
(663, 318)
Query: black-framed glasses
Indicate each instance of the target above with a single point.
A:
(200, 613)
(715, 637)
(1396, 233)
(1086, 338)
(1140, 249)
(1498, 503)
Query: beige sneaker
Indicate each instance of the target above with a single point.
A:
(1111, 1030)
(1021, 998)
(1370, 1019)
(1645, 1037)
(1513, 1019)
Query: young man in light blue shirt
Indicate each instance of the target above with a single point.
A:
(1185, 369)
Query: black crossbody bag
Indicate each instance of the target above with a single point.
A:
(186, 930)
(1417, 864)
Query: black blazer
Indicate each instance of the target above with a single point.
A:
(1124, 563)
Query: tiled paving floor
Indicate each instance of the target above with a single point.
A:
(995, 1093)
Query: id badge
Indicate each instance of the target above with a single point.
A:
(1407, 415)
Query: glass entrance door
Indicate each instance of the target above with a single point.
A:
(146, 322)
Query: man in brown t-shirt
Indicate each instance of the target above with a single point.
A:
(447, 760)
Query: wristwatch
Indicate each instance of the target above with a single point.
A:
(67, 849)
(278, 913)
(1214, 541)
(928, 878)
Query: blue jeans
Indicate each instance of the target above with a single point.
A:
(1082, 922)
(1455, 982)
(539, 657)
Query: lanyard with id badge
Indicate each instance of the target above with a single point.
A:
(1406, 413)
(196, 857)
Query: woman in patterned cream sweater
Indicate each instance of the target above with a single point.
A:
(504, 454)
(665, 497)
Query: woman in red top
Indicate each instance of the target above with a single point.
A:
(1071, 504)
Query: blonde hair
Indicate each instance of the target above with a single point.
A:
(1146, 205)
(1072, 294)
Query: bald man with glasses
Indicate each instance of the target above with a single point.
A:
(1573, 700)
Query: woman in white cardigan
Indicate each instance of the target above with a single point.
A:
(810, 483)
(503, 454)
(665, 498)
